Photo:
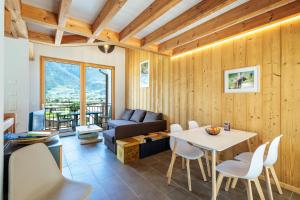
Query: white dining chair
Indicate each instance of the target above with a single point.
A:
(248, 171)
(187, 152)
(192, 125)
(269, 162)
(34, 175)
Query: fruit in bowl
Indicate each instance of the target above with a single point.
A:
(213, 130)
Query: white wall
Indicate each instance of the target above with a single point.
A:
(16, 86)
(89, 54)
(1, 92)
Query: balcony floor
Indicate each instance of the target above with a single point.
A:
(144, 179)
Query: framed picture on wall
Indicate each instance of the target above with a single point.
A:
(242, 80)
(144, 73)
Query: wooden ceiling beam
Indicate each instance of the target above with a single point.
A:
(14, 7)
(109, 10)
(39, 16)
(9, 29)
(151, 13)
(197, 12)
(241, 13)
(40, 37)
(73, 39)
(268, 18)
(62, 18)
(75, 26)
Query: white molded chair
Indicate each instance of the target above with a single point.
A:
(248, 171)
(34, 175)
(192, 125)
(269, 162)
(187, 152)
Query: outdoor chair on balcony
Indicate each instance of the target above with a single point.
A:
(63, 119)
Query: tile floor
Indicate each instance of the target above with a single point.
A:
(144, 179)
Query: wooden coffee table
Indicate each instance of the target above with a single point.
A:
(131, 149)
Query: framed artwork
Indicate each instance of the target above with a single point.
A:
(144, 73)
(242, 80)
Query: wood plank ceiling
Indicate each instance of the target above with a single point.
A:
(190, 24)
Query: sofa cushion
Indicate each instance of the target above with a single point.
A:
(138, 115)
(119, 122)
(109, 135)
(152, 116)
(127, 114)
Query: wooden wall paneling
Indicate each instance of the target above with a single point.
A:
(239, 100)
(190, 87)
(271, 77)
(200, 88)
(254, 100)
(127, 76)
(227, 98)
(159, 84)
(216, 86)
(131, 79)
(136, 84)
(176, 91)
(182, 92)
(206, 86)
(290, 109)
(155, 94)
(171, 100)
(196, 87)
(165, 89)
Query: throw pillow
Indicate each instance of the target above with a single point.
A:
(127, 114)
(152, 116)
(138, 115)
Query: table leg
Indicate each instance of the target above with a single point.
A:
(249, 145)
(213, 171)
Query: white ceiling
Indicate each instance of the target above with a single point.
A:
(87, 10)
(127, 13)
(51, 5)
(205, 19)
(40, 29)
(168, 16)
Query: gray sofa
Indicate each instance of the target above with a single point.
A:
(133, 123)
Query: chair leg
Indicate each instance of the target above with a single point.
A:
(259, 189)
(268, 183)
(171, 168)
(219, 182)
(228, 184)
(207, 163)
(235, 180)
(249, 189)
(188, 174)
(276, 179)
(202, 169)
(182, 163)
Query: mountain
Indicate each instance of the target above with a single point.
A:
(62, 82)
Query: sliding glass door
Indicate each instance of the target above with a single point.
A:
(75, 93)
(98, 87)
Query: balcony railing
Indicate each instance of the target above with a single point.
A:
(67, 115)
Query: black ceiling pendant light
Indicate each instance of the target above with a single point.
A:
(106, 48)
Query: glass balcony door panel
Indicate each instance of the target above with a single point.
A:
(98, 94)
(62, 93)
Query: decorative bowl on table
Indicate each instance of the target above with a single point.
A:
(213, 130)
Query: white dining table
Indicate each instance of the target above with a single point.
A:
(214, 143)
